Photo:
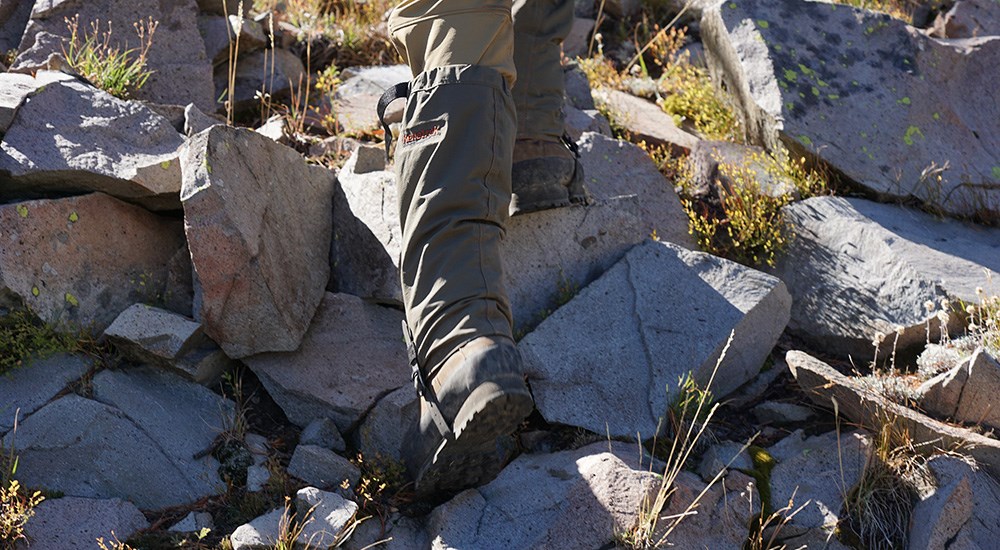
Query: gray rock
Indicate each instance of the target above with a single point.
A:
(968, 392)
(55, 257)
(721, 516)
(193, 523)
(205, 365)
(754, 389)
(87, 449)
(182, 73)
(706, 156)
(571, 499)
(182, 417)
(940, 395)
(323, 432)
(219, 32)
(258, 447)
(395, 533)
(257, 478)
(276, 128)
(359, 92)
(692, 9)
(102, 144)
(968, 19)
(254, 73)
(330, 513)
(178, 296)
(147, 334)
(15, 88)
(257, 219)
(856, 269)
(654, 334)
(899, 124)
(937, 519)
(322, 467)
(196, 121)
(577, 43)
(14, 16)
(352, 354)
(615, 168)
(26, 389)
(775, 412)
(820, 469)
(71, 523)
(580, 122)
(645, 121)
(863, 406)
(724, 456)
(221, 7)
(577, 88)
(380, 436)
(259, 534)
(818, 539)
(982, 527)
(622, 9)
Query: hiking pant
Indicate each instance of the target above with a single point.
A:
(455, 149)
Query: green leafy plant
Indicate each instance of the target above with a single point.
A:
(17, 504)
(94, 55)
(23, 336)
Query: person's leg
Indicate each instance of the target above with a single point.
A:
(453, 162)
(545, 173)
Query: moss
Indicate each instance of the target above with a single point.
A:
(763, 464)
(24, 336)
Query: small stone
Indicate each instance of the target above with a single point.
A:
(724, 456)
(381, 434)
(257, 478)
(193, 523)
(330, 514)
(773, 412)
(148, 334)
(322, 467)
(258, 447)
(645, 121)
(323, 432)
(259, 534)
(71, 523)
(196, 121)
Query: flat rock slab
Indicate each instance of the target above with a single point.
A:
(628, 338)
(571, 499)
(149, 334)
(962, 512)
(182, 73)
(645, 120)
(15, 88)
(355, 98)
(868, 94)
(87, 449)
(380, 436)
(352, 355)
(182, 417)
(55, 257)
(866, 407)
(330, 514)
(27, 388)
(857, 268)
(322, 467)
(820, 470)
(70, 137)
(258, 223)
(73, 523)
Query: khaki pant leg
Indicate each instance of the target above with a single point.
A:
(435, 33)
(540, 26)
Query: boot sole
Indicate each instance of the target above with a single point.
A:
(472, 458)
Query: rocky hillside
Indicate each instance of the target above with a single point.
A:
(775, 327)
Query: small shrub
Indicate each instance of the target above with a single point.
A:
(899, 9)
(93, 55)
(16, 508)
(23, 336)
(690, 96)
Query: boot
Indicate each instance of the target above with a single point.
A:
(453, 163)
(546, 174)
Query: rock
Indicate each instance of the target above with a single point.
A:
(654, 334)
(220, 31)
(15, 88)
(722, 457)
(706, 156)
(26, 389)
(967, 393)
(901, 114)
(982, 523)
(821, 470)
(580, 122)
(277, 72)
(622, 9)
(183, 418)
(195, 121)
(147, 334)
(577, 87)
(322, 432)
(818, 539)
(863, 406)
(103, 144)
(220, 7)
(257, 478)
(83, 448)
(381, 434)
(691, 10)
(615, 168)
(968, 19)
(277, 129)
(396, 533)
(258, 447)
(857, 269)
(257, 219)
(571, 499)
(55, 257)
(259, 534)
(754, 390)
(182, 73)
(722, 513)
(193, 523)
(351, 356)
(330, 513)
(322, 467)
(577, 43)
(645, 121)
(937, 519)
(355, 99)
(774, 412)
(14, 16)
(71, 523)
(178, 296)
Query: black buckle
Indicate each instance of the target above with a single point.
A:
(571, 145)
(421, 386)
(398, 91)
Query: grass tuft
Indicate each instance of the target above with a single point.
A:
(118, 71)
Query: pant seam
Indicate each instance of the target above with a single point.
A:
(424, 18)
(489, 210)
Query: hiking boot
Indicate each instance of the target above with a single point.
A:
(474, 397)
(545, 174)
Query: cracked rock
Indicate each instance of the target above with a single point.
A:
(27, 388)
(73, 523)
(629, 337)
(330, 514)
(322, 467)
(966, 393)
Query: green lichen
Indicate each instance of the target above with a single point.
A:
(71, 300)
(165, 164)
(763, 465)
(791, 75)
(22, 210)
(996, 173)
(911, 132)
(815, 91)
(805, 140)
(762, 24)
(34, 291)
(937, 116)
(74, 217)
(904, 101)
(832, 96)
